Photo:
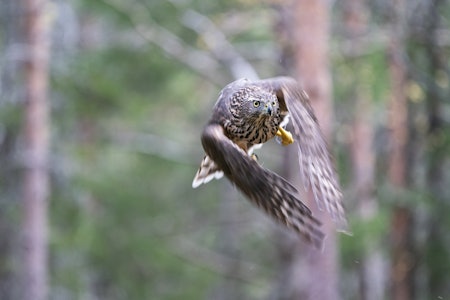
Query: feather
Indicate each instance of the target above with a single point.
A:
(316, 165)
(267, 190)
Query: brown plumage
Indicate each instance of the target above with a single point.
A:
(250, 113)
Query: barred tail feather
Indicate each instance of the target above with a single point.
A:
(208, 171)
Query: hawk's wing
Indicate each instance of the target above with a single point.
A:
(316, 166)
(264, 188)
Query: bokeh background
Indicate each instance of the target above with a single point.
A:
(130, 86)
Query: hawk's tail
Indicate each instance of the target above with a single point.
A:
(208, 171)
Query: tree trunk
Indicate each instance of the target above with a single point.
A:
(402, 268)
(438, 154)
(308, 273)
(371, 272)
(313, 71)
(36, 138)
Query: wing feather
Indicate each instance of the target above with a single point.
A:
(264, 188)
(316, 165)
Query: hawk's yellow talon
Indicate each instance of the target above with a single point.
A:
(286, 136)
(254, 157)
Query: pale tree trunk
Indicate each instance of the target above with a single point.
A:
(402, 253)
(36, 138)
(309, 273)
(372, 270)
(312, 35)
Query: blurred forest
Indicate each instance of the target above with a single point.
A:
(101, 107)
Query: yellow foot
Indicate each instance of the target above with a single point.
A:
(286, 136)
(254, 157)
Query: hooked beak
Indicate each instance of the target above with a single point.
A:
(268, 109)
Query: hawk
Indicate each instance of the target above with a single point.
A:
(248, 114)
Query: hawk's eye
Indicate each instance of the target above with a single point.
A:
(256, 103)
(274, 103)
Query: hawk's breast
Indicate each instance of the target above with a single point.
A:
(251, 133)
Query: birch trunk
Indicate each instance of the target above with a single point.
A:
(36, 138)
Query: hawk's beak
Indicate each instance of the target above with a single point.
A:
(268, 109)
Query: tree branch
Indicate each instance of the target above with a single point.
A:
(142, 23)
(219, 45)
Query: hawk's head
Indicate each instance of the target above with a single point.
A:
(254, 103)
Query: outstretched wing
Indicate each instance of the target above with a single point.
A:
(316, 165)
(264, 188)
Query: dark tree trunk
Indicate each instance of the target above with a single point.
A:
(438, 155)
(10, 89)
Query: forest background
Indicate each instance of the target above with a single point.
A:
(101, 108)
